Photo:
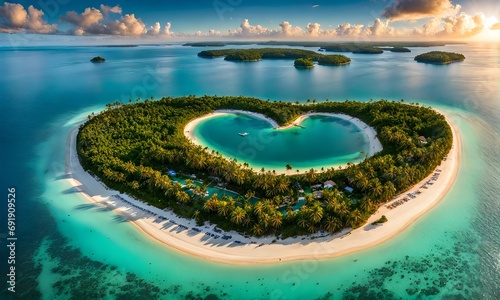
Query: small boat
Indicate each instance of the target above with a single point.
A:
(243, 134)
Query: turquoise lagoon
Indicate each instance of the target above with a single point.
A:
(70, 249)
(321, 142)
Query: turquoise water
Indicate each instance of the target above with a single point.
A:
(323, 142)
(69, 249)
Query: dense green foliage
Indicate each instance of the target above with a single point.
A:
(97, 59)
(244, 55)
(131, 147)
(354, 48)
(368, 51)
(334, 59)
(439, 57)
(381, 220)
(276, 53)
(399, 49)
(303, 63)
(396, 49)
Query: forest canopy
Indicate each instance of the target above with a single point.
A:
(439, 57)
(275, 53)
(132, 147)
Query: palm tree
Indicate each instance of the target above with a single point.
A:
(135, 185)
(316, 213)
(211, 204)
(332, 224)
(309, 198)
(375, 188)
(361, 181)
(389, 190)
(355, 218)
(249, 195)
(331, 204)
(256, 230)
(276, 220)
(366, 204)
(223, 208)
(129, 167)
(258, 208)
(183, 197)
(288, 167)
(311, 228)
(302, 221)
(238, 215)
(311, 175)
(190, 183)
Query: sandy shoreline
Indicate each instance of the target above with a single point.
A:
(205, 243)
(371, 135)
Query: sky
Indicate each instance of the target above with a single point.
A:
(332, 20)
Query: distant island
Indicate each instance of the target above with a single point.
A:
(368, 51)
(303, 63)
(97, 59)
(439, 57)
(205, 44)
(396, 49)
(154, 154)
(275, 53)
(341, 46)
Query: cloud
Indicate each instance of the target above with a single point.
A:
(495, 26)
(89, 17)
(288, 30)
(459, 26)
(418, 9)
(314, 29)
(156, 29)
(127, 25)
(347, 29)
(380, 28)
(107, 9)
(249, 30)
(315, 5)
(15, 18)
(463, 25)
(90, 22)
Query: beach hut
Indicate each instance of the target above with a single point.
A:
(329, 184)
(349, 189)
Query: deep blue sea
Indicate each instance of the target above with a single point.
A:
(69, 249)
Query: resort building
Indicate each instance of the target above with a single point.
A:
(329, 184)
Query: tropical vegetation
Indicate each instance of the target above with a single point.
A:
(132, 148)
(439, 57)
(275, 53)
(303, 63)
(97, 59)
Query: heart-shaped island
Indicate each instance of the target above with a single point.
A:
(148, 150)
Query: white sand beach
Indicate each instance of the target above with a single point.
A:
(205, 243)
(371, 135)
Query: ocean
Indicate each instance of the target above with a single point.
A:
(67, 248)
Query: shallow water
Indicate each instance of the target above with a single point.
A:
(323, 142)
(68, 248)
